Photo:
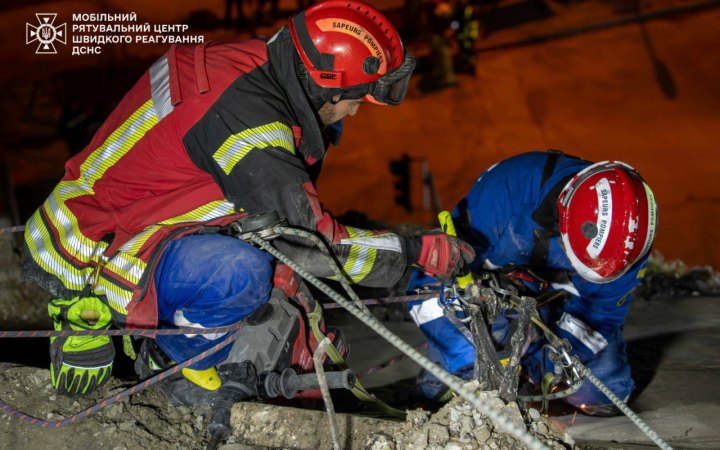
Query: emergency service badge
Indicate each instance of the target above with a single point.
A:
(46, 34)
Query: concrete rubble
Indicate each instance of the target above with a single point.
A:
(456, 426)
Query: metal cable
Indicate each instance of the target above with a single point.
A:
(342, 277)
(498, 418)
(387, 300)
(322, 381)
(645, 428)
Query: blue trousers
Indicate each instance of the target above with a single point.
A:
(207, 281)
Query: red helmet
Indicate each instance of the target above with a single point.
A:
(350, 49)
(608, 217)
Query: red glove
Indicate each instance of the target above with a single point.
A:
(443, 256)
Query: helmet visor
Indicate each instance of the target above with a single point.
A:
(390, 89)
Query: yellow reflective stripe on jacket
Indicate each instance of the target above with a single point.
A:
(66, 224)
(40, 243)
(99, 161)
(117, 296)
(70, 237)
(204, 213)
(361, 258)
(209, 211)
(275, 134)
(116, 145)
(127, 266)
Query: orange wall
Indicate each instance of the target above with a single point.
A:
(593, 95)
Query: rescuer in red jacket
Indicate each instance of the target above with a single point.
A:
(209, 134)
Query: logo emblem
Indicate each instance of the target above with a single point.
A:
(46, 33)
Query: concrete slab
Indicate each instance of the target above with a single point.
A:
(283, 427)
(673, 350)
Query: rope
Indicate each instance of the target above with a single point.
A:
(453, 382)
(388, 363)
(16, 229)
(144, 332)
(645, 428)
(14, 412)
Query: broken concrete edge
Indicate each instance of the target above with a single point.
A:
(457, 425)
(287, 427)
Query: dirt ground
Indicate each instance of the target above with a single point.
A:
(144, 421)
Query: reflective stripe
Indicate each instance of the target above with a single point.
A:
(128, 267)
(134, 245)
(592, 339)
(180, 320)
(160, 87)
(389, 242)
(361, 258)
(204, 213)
(39, 242)
(41, 239)
(115, 146)
(426, 311)
(209, 211)
(84, 249)
(238, 145)
(118, 297)
(567, 287)
(99, 161)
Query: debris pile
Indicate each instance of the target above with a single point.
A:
(144, 421)
(458, 426)
(674, 279)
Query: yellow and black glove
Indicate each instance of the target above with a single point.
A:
(80, 364)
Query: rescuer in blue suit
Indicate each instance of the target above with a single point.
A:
(580, 228)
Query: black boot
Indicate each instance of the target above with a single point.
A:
(179, 390)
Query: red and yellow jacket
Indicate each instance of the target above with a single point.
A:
(209, 133)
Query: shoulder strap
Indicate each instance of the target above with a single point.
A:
(546, 215)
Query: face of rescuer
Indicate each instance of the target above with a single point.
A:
(333, 112)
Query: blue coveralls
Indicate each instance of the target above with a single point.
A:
(207, 281)
(503, 209)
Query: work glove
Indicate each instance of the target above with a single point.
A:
(443, 256)
(79, 364)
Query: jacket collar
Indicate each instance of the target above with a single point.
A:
(282, 56)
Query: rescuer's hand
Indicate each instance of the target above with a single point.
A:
(443, 256)
(79, 364)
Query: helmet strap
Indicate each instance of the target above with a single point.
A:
(317, 95)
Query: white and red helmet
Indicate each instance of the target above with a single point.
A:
(608, 218)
